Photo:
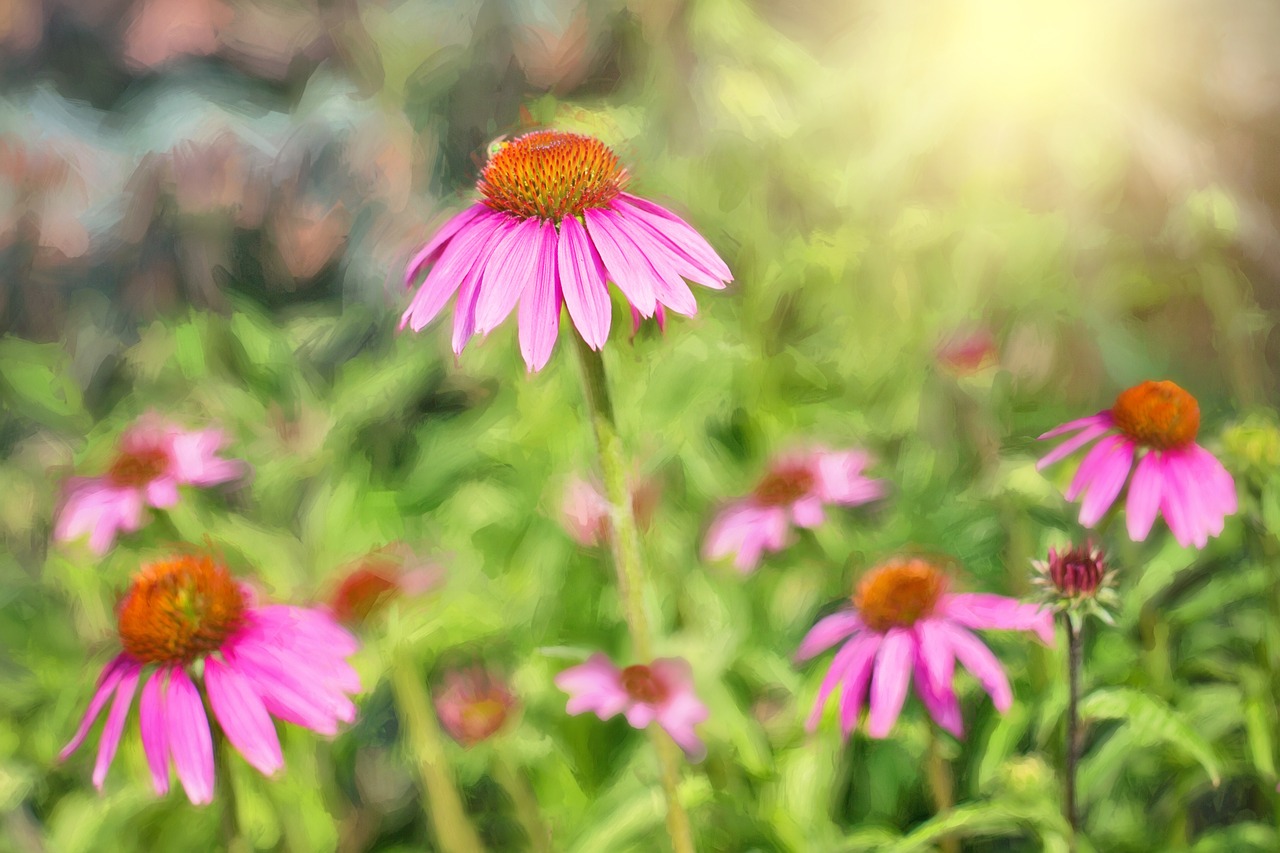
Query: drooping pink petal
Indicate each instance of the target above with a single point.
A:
(594, 685)
(539, 315)
(678, 718)
(194, 458)
(939, 699)
(668, 287)
(1172, 503)
(189, 737)
(281, 623)
(890, 680)
(296, 694)
(155, 734)
(243, 717)
(162, 492)
(1071, 445)
(622, 261)
(856, 678)
(464, 312)
(582, 280)
(807, 512)
(1103, 417)
(459, 260)
(114, 726)
(979, 660)
(107, 683)
(840, 478)
(511, 269)
(1095, 461)
(1200, 518)
(684, 237)
(640, 714)
(984, 611)
(828, 631)
(656, 245)
(1220, 487)
(1107, 483)
(859, 651)
(436, 244)
(1144, 497)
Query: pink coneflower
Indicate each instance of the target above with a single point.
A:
(586, 512)
(793, 492)
(553, 225)
(154, 458)
(257, 661)
(904, 623)
(661, 691)
(1175, 476)
(474, 705)
(370, 583)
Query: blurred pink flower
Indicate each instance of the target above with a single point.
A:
(553, 227)
(793, 492)
(904, 623)
(373, 581)
(967, 351)
(474, 705)
(585, 510)
(154, 458)
(1175, 476)
(258, 662)
(661, 691)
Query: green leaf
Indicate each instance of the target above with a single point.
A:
(1150, 720)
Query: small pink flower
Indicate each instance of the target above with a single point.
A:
(793, 492)
(661, 691)
(154, 458)
(967, 352)
(258, 662)
(905, 624)
(585, 511)
(474, 705)
(1174, 477)
(553, 228)
(376, 579)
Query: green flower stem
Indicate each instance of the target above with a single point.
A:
(1075, 655)
(232, 839)
(942, 785)
(443, 805)
(528, 814)
(625, 541)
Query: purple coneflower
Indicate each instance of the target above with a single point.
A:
(154, 458)
(1174, 477)
(793, 492)
(256, 661)
(474, 704)
(661, 691)
(905, 624)
(552, 227)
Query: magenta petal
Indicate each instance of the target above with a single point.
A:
(828, 631)
(1096, 461)
(657, 245)
(114, 726)
(1107, 483)
(594, 685)
(890, 680)
(856, 677)
(436, 245)
(243, 717)
(940, 702)
(1144, 497)
(934, 671)
(625, 265)
(1103, 417)
(807, 512)
(1172, 504)
(189, 738)
(539, 317)
(681, 233)
(856, 650)
(1180, 478)
(582, 280)
(464, 312)
(107, 682)
(155, 735)
(511, 269)
(1072, 444)
(984, 611)
(979, 660)
(458, 261)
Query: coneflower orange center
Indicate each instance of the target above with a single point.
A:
(785, 484)
(1157, 414)
(550, 175)
(899, 594)
(643, 685)
(179, 609)
(138, 467)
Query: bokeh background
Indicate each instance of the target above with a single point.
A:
(952, 225)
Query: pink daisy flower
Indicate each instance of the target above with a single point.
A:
(1174, 476)
(587, 515)
(257, 662)
(905, 626)
(793, 492)
(553, 226)
(474, 705)
(661, 691)
(153, 459)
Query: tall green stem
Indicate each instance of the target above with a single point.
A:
(627, 560)
(942, 784)
(443, 805)
(1075, 655)
(526, 805)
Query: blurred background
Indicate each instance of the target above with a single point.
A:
(952, 226)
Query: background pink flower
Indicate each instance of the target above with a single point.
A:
(1174, 477)
(793, 492)
(553, 227)
(153, 459)
(258, 662)
(474, 704)
(661, 691)
(904, 625)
